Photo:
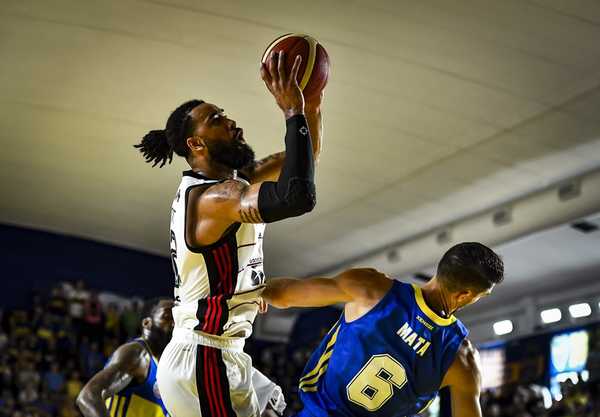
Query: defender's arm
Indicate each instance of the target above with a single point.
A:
(126, 364)
(353, 285)
(464, 380)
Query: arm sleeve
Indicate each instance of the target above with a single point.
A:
(294, 192)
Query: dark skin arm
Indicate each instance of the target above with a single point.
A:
(213, 211)
(360, 289)
(464, 380)
(268, 169)
(130, 362)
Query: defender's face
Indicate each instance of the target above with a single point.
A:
(468, 297)
(163, 317)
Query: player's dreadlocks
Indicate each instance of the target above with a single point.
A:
(158, 146)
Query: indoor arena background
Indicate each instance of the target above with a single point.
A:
(444, 121)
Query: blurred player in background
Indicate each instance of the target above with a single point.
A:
(395, 344)
(217, 230)
(126, 387)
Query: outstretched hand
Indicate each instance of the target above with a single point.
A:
(282, 85)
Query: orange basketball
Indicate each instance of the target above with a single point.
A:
(314, 69)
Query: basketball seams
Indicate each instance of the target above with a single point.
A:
(312, 54)
(275, 42)
(313, 73)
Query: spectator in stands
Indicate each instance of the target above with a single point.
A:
(45, 330)
(77, 297)
(93, 361)
(46, 405)
(66, 339)
(7, 404)
(18, 324)
(28, 395)
(54, 379)
(6, 374)
(67, 408)
(130, 320)
(73, 386)
(3, 340)
(92, 317)
(112, 321)
(27, 376)
(57, 305)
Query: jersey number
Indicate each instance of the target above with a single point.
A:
(374, 384)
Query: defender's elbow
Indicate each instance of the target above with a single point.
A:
(80, 400)
(274, 294)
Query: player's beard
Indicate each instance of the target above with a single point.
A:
(233, 154)
(159, 337)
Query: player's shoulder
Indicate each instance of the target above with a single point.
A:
(220, 192)
(465, 373)
(366, 283)
(130, 355)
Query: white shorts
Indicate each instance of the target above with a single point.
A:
(203, 376)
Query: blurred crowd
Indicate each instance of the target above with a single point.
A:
(578, 400)
(48, 351)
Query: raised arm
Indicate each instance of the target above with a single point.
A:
(233, 201)
(269, 168)
(128, 363)
(464, 380)
(363, 286)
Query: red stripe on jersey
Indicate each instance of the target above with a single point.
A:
(221, 400)
(219, 312)
(210, 311)
(221, 268)
(208, 382)
(231, 290)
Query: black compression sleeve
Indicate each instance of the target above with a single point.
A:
(294, 192)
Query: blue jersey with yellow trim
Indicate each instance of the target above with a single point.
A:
(388, 363)
(139, 400)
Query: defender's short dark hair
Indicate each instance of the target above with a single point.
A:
(470, 265)
(151, 305)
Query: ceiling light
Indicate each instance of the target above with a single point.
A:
(580, 310)
(503, 327)
(552, 315)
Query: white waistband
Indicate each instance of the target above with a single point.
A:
(220, 342)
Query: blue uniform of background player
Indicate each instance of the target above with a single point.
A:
(395, 344)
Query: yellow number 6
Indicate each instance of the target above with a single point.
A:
(374, 384)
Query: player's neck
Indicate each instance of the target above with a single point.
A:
(155, 350)
(216, 171)
(434, 298)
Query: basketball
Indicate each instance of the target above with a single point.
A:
(314, 69)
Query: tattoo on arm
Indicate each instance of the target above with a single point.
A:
(250, 215)
(237, 190)
(225, 190)
(268, 159)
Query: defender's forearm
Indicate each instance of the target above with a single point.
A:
(91, 404)
(309, 292)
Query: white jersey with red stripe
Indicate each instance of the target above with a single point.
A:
(216, 286)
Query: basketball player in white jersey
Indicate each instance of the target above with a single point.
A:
(217, 229)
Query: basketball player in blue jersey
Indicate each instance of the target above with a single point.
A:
(218, 221)
(395, 344)
(126, 387)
